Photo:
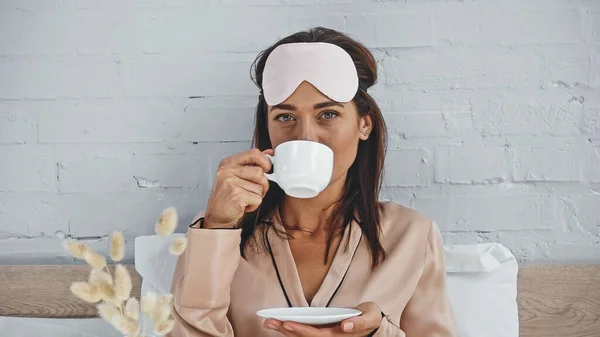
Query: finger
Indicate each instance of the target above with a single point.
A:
(253, 201)
(254, 174)
(252, 157)
(249, 186)
(369, 320)
(303, 330)
(272, 324)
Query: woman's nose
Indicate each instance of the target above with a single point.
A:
(307, 131)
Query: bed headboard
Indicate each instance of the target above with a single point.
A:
(559, 300)
(43, 291)
(554, 300)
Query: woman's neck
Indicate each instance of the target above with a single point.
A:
(309, 217)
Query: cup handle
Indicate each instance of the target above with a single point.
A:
(271, 176)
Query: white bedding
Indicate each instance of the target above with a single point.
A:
(55, 327)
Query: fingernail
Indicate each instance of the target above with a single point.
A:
(271, 326)
(348, 326)
(287, 327)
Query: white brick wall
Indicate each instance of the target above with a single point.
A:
(112, 110)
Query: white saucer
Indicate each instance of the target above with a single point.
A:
(309, 315)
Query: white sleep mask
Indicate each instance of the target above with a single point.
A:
(326, 66)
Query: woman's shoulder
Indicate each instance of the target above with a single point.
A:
(399, 222)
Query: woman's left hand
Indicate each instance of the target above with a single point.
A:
(359, 326)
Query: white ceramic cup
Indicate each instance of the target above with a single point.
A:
(301, 168)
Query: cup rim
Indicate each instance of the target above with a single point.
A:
(305, 142)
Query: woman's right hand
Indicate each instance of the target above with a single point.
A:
(240, 186)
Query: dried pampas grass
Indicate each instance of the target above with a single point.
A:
(132, 309)
(98, 276)
(94, 259)
(178, 246)
(86, 292)
(164, 328)
(107, 292)
(109, 312)
(117, 246)
(123, 284)
(75, 248)
(167, 222)
(127, 326)
(148, 303)
(113, 290)
(164, 300)
(160, 314)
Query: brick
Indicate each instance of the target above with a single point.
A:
(592, 172)
(428, 124)
(26, 170)
(406, 168)
(173, 170)
(30, 214)
(404, 29)
(421, 69)
(160, 76)
(300, 23)
(591, 116)
(104, 121)
(498, 116)
(92, 4)
(563, 66)
(470, 165)
(490, 213)
(548, 164)
(580, 214)
(363, 28)
(563, 252)
(437, 209)
(31, 4)
(15, 124)
(97, 175)
(226, 150)
(63, 77)
(43, 33)
(444, 102)
(165, 30)
(186, 3)
(595, 69)
(126, 120)
(39, 33)
(99, 214)
(262, 3)
(508, 27)
(393, 194)
(232, 124)
(596, 27)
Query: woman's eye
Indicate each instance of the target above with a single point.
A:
(329, 115)
(284, 118)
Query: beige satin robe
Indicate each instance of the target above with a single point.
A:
(217, 293)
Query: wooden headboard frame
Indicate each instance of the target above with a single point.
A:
(554, 300)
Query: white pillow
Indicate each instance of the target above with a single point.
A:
(481, 280)
(481, 283)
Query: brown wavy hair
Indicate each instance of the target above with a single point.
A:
(360, 199)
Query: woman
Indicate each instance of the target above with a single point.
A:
(255, 247)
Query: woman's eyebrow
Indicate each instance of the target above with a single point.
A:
(290, 107)
(327, 104)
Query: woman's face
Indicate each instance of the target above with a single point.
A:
(309, 115)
